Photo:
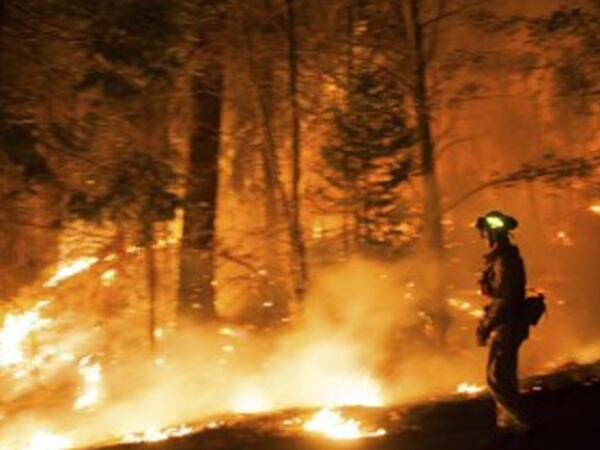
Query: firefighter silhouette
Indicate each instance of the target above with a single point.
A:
(505, 324)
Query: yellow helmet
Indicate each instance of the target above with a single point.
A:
(497, 221)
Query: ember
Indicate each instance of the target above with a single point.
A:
(465, 306)
(108, 277)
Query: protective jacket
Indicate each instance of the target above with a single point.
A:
(504, 281)
(506, 322)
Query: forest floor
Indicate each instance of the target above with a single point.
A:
(566, 403)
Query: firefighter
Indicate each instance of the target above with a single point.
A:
(503, 324)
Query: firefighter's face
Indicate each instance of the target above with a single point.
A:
(493, 237)
(489, 236)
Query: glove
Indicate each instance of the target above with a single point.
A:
(484, 287)
(482, 335)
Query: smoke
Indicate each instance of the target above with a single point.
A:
(362, 339)
(359, 341)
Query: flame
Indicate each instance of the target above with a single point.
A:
(228, 331)
(317, 230)
(91, 374)
(15, 332)
(71, 269)
(466, 307)
(361, 392)
(250, 401)
(157, 435)
(159, 333)
(42, 440)
(108, 277)
(595, 208)
(333, 425)
(563, 238)
(469, 388)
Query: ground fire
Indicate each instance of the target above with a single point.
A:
(299, 225)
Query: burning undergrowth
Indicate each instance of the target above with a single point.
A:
(360, 341)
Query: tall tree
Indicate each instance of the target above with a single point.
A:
(432, 215)
(261, 66)
(369, 158)
(197, 264)
(197, 272)
(300, 266)
(432, 209)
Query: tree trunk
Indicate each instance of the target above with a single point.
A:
(152, 279)
(269, 149)
(272, 290)
(196, 282)
(2, 21)
(432, 213)
(432, 209)
(298, 246)
(261, 74)
(353, 214)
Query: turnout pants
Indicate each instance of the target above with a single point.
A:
(502, 378)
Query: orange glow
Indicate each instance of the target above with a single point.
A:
(68, 270)
(564, 239)
(317, 230)
(47, 441)
(15, 332)
(466, 307)
(250, 401)
(108, 277)
(157, 435)
(333, 425)
(469, 389)
(91, 373)
(353, 391)
(595, 208)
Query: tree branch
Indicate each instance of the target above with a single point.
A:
(451, 13)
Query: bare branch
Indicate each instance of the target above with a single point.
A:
(443, 148)
(451, 13)
(550, 169)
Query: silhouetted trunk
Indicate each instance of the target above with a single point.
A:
(351, 217)
(196, 278)
(152, 279)
(2, 20)
(432, 212)
(264, 82)
(155, 135)
(298, 246)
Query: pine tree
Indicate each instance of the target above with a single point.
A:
(370, 158)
